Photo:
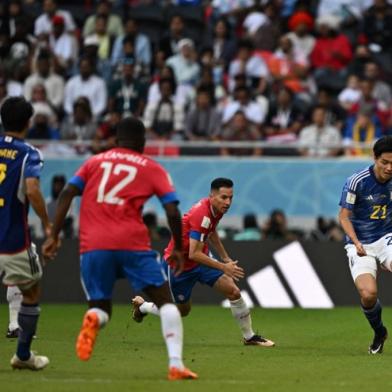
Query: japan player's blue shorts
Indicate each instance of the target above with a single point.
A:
(181, 286)
(99, 270)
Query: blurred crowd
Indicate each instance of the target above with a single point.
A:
(314, 74)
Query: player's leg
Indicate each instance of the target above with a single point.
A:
(364, 272)
(98, 274)
(240, 311)
(24, 270)
(145, 274)
(14, 299)
(180, 288)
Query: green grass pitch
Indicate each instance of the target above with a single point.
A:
(317, 350)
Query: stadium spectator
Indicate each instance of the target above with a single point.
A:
(301, 24)
(114, 23)
(276, 227)
(223, 44)
(331, 53)
(250, 231)
(105, 137)
(240, 129)
(57, 185)
(184, 64)
(327, 230)
(80, 125)
(41, 128)
(142, 46)
(243, 102)
(381, 90)
(203, 122)
(250, 64)
(63, 47)
(39, 100)
(127, 95)
(363, 127)
(43, 24)
(284, 119)
(183, 94)
(15, 12)
(288, 67)
(377, 29)
(362, 55)
(318, 138)
(164, 119)
(88, 85)
(335, 114)
(169, 42)
(156, 232)
(266, 37)
(351, 94)
(54, 83)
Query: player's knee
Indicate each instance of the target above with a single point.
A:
(233, 293)
(368, 297)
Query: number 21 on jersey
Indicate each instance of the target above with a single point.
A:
(379, 212)
(111, 196)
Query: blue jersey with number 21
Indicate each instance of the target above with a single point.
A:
(371, 204)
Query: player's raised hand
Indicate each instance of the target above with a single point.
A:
(178, 258)
(233, 270)
(360, 249)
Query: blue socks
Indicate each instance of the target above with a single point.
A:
(374, 317)
(27, 319)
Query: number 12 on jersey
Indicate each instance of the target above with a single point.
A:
(111, 197)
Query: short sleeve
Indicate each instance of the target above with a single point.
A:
(34, 164)
(200, 225)
(163, 186)
(349, 196)
(80, 177)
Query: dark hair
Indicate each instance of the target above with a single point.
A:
(221, 182)
(16, 113)
(250, 221)
(382, 145)
(130, 133)
(43, 55)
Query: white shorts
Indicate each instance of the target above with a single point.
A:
(21, 269)
(378, 252)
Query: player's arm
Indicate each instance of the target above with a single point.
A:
(345, 221)
(217, 244)
(36, 199)
(173, 216)
(196, 254)
(49, 248)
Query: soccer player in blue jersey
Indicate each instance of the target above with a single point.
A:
(366, 217)
(20, 169)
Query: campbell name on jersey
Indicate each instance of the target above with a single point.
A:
(371, 204)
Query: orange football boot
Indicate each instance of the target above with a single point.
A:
(181, 374)
(87, 336)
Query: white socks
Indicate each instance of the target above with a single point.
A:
(172, 333)
(14, 298)
(103, 317)
(149, 307)
(242, 314)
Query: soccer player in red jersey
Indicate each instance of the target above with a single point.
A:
(114, 241)
(199, 228)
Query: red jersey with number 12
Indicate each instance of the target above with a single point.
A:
(115, 186)
(198, 223)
